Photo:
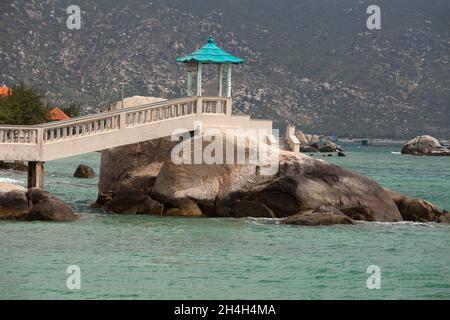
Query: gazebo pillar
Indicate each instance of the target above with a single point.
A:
(229, 81)
(220, 78)
(189, 83)
(199, 79)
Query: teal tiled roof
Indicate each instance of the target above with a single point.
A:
(210, 53)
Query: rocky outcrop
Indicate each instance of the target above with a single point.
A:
(329, 146)
(85, 172)
(47, 207)
(34, 204)
(13, 201)
(132, 168)
(425, 145)
(321, 216)
(417, 210)
(14, 165)
(302, 183)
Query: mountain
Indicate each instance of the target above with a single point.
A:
(313, 63)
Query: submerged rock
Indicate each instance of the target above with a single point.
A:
(425, 145)
(19, 203)
(417, 210)
(84, 171)
(321, 216)
(47, 207)
(14, 165)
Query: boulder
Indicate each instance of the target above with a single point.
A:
(301, 137)
(329, 146)
(151, 207)
(302, 183)
(308, 149)
(84, 171)
(126, 202)
(13, 201)
(444, 217)
(341, 154)
(360, 213)
(132, 167)
(415, 209)
(182, 207)
(425, 145)
(15, 165)
(321, 216)
(47, 207)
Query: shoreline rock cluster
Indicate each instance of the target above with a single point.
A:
(313, 144)
(312, 190)
(18, 203)
(425, 146)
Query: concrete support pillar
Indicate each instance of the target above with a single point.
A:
(36, 174)
(229, 80)
(199, 79)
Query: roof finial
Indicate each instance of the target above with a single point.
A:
(211, 39)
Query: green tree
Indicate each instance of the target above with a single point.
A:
(23, 107)
(72, 110)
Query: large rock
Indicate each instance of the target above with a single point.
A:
(425, 145)
(182, 207)
(84, 171)
(47, 207)
(321, 216)
(302, 183)
(13, 201)
(133, 167)
(329, 146)
(151, 207)
(14, 165)
(415, 209)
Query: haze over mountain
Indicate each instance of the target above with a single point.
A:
(313, 63)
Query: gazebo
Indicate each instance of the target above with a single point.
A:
(209, 54)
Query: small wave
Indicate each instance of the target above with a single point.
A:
(395, 152)
(9, 180)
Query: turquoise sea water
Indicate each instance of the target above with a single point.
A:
(135, 257)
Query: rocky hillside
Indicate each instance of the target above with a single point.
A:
(313, 63)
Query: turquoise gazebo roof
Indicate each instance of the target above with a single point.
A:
(211, 53)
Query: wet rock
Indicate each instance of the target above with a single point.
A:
(13, 201)
(425, 145)
(151, 207)
(321, 216)
(417, 210)
(15, 165)
(359, 213)
(85, 172)
(182, 207)
(47, 207)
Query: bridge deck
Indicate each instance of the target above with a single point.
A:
(116, 128)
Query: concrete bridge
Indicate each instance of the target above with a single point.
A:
(56, 140)
(50, 141)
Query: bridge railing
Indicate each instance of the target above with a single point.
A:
(112, 120)
(19, 134)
